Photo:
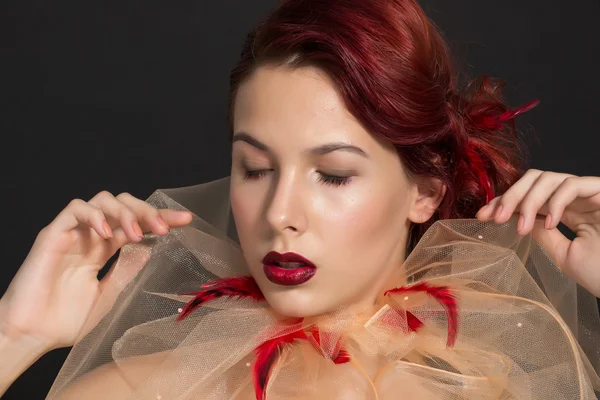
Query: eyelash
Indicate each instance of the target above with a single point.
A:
(324, 178)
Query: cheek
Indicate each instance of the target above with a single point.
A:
(359, 216)
(245, 208)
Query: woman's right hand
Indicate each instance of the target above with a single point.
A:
(54, 291)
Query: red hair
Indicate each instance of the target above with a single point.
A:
(396, 75)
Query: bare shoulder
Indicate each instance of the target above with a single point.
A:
(112, 381)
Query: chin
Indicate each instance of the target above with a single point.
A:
(307, 300)
(294, 303)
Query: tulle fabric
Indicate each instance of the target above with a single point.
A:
(525, 331)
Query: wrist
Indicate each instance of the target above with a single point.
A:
(17, 351)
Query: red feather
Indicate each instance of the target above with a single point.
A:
(497, 121)
(444, 296)
(268, 353)
(411, 323)
(478, 167)
(490, 123)
(414, 323)
(241, 287)
(266, 356)
(341, 355)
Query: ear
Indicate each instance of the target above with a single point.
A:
(428, 194)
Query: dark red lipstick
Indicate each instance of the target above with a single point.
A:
(288, 269)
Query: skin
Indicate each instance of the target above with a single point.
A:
(542, 200)
(354, 229)
(354, 233)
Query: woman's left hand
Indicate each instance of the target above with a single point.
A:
(572, 200)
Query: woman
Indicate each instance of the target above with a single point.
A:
(350, 140)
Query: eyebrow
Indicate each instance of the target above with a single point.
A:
(318, 150)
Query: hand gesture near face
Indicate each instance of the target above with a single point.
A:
(52, 294)
(543, 199)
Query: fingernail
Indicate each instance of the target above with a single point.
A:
(107, 229)
(138, 230)
(162, 222)
(548, 221)
(520, 223)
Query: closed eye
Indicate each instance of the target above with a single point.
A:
(333, 180)
(255, 174)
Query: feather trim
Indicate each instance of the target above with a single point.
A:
(240, 287)
(340, 356)
(413, 322)
(497, 121)
(478, 167)
(268, 353)
(444, 296)
(266, 357)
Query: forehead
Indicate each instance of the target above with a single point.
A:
(278, 100)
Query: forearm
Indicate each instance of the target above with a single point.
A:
(17, 353)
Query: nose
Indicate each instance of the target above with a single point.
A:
(285, 211)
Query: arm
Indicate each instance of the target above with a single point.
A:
(49, 301)
(112, 381)
(17, 353)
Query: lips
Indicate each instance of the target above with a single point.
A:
(288, 269)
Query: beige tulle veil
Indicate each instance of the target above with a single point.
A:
(525, 331)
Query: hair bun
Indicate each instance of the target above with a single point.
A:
(485, 122)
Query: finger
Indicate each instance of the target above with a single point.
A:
(176, 218)
(157, 220)
(497, 206)
(515, 194)
(535, 200)
(149, 217)
(487, 211)
(118, 212)
(79, 212)
(571, 189)
(173, 217)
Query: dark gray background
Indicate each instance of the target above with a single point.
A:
(130, 96)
